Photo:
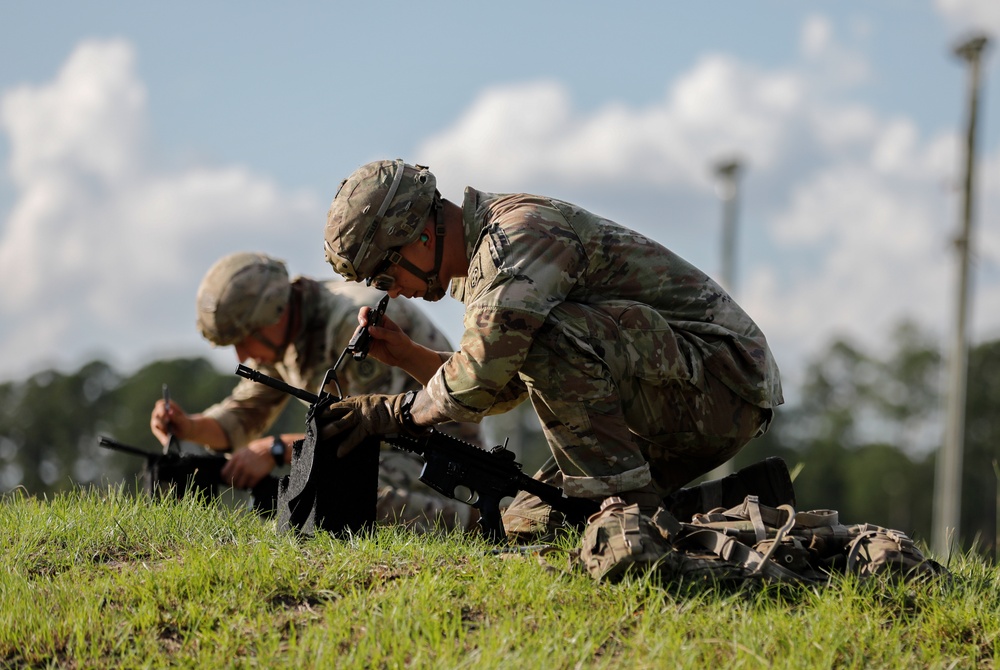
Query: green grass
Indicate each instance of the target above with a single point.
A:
(104, 579)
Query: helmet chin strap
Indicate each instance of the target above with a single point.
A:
(279, 349)
(431, 277)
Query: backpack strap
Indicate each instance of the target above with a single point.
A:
(752, 505)
(731, 550)
(629, 520)
(817, 518)
(782, 531)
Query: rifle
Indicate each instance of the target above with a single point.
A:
(176, 473)
(491, 476)
(450, 463)
(344, 499)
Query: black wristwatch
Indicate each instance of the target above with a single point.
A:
(405, 410)
(278, 451)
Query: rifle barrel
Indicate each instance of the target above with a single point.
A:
(115, 445)
(261, 378)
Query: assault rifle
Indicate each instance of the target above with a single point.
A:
(175, 473)
(451, 464)
(338, 495)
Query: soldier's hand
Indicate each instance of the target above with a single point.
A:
(162, 422)
(247, 466)
(351, 420)
(389, 344)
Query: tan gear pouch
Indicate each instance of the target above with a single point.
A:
(619, 539)
(877, 551)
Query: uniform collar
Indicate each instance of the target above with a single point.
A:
(471, 221)
(473, 228)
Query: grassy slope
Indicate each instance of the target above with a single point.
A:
(104, 579)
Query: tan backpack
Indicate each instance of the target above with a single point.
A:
(748, 542)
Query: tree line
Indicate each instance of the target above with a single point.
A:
(862, 437)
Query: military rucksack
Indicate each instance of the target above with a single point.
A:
(750, 541)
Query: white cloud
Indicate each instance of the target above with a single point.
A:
(857, 210)
(817, 34)
(972, 14)
(833, 65)
(103, 249)
(524, 133)
(846, 215)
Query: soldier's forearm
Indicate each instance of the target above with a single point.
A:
(207, 431)
(422, 363)
(425, 412)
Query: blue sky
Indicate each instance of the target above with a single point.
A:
(139, 143)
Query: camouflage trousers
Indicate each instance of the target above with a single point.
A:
(623, 411)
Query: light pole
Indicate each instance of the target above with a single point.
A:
(728, 171)
(948, 483)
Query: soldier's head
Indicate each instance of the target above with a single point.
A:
(382, 207)
(241, 301)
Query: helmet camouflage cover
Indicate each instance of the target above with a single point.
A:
(382, 206)
(241, 293)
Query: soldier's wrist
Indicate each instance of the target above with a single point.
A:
(406, 414)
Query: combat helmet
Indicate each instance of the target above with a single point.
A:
(381, 207)
(241, 293)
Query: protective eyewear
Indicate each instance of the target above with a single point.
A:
(381, 279)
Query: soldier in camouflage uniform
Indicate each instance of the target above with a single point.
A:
(643, 370)
(295, 330)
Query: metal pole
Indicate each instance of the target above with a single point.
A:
(729, 189)
(728, 172)
(948, 485)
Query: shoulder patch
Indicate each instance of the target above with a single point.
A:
(482, 272)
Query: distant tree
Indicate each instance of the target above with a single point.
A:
(194, 384)
(980, 497)
(47, 424)
(50, 422)
(865, 433)
(861, 422)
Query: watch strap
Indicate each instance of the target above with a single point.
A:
(278, 451)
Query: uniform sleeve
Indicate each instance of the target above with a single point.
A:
(527, 263)
(249, 410)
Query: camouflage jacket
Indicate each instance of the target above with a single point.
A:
(528, 254)
(329, 317)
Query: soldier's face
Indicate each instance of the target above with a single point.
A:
(404, 282)
(255, 349)
(261, 345)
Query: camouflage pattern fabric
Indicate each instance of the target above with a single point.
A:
(329, 318)
(643, 370)
(240, 293)
(389, 195)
